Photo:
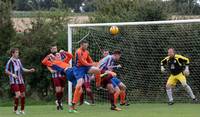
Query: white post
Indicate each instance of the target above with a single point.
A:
(69, 50)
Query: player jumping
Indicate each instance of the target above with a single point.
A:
(179, 69)
(83, 65)
(106, 65)
(58, 78)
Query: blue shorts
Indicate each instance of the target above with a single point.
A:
(70, 76)
(115, 81)
(57, 68)
(79, 72)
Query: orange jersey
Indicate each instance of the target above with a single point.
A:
(82, 58)
(68, 57)
(63, 64)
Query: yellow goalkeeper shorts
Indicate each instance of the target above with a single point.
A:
(173, 79)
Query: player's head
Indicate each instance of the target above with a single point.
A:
(171, 52)
(105, 53)
(14, 52)
(84, 44)
(54, 49)
(117, 54)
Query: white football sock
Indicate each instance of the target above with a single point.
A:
(169, 94)
(189, 91)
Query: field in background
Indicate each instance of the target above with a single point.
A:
(22, 19)
(135, 110)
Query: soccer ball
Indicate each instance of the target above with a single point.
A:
(114, 30)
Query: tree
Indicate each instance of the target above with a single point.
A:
(185, 7)
(128, 10)
(7, 34)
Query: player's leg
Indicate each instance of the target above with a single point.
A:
(170, 84)
(16, 91)
(22, 95)
(111, 92)
(58, 89)
(116, 95)
(123, 94)
(117, 90)
(82, 96)
(62, 84)
(97, 72)
(77, 93)
(183, 81)
(89, 92)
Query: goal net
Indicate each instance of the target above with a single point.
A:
(143, 46)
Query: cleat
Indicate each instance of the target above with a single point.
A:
(72, 111)
(87, 103)
(92, 104)
(73, 107)
(170, 103)
(115, 108)
(194, 100)
(22, 112)
(17, 112)
(125, 104)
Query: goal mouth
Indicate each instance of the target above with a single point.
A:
(143, 46)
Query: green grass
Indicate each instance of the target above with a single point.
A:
(135, 110)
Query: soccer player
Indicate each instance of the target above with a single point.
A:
(179, 69)
(64, 67)
(83, 65)
(58, 78)
(106, 65)
(14, 70)
(87, 88)
(120, 88)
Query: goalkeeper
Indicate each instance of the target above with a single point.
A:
(179, 69)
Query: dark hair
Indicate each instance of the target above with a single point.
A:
(83, 41)
(117, 52)
(13, 50)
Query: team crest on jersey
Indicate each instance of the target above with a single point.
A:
(174, 61)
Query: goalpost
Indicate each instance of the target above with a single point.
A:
(143, 45)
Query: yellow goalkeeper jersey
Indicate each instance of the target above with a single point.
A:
(176, 64)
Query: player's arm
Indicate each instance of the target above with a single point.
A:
(89, 59)
(51, 70)
(114, 67)
(28, 70)
(68, 57)
(25, 69)
(185, 60)
(46, 61)
(82, 60)
(163, 63)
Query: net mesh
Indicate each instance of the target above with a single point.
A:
(143, 47)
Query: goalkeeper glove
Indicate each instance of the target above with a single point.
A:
(162, 69)
(186, 72)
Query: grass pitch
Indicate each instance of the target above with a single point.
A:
(99, 110)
